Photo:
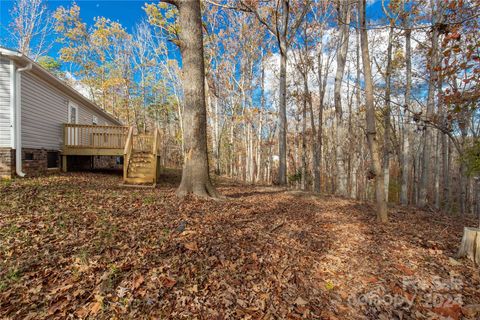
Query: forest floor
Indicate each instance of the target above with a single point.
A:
(79, 245)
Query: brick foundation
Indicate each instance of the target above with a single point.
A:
(35, 161)
(7, 163)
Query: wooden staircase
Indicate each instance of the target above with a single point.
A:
(141, 165)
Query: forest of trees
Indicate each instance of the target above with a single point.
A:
(314, 94)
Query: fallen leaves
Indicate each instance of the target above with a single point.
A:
(96, 306)
(168, 282)
(137, 282)
(77, 245)
(300, 301)
(192, 246)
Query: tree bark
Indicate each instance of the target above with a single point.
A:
(282, 116)
(386, 136)
(405, 148)
(381, 204)
(344, 20)
(304, 141)
(470, 246)
(195, 175)
(322, 82)
(426, 177)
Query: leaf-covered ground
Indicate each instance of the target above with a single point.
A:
(82, 246)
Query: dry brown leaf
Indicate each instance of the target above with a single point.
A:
(95, 307)
(192, 246)
(300, 301)
(137, 282)
(168, 282)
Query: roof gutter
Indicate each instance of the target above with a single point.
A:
(18, 119)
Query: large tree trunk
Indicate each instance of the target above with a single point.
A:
(382, 214)
(195, 175)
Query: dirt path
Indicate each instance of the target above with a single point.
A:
(79, 245)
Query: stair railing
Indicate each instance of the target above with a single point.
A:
(127, 153)
(156, 141)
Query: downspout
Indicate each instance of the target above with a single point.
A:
(18, 120)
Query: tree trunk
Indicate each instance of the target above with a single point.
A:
(382, 214)
(470, 246)
(426, 177)
(437, 171)
(316, 155)
(304, 142)
(405, 148)
(463, 188)
(195, 175)
(282, 114)
(344, 20)
(321, 91)
(217, 140)
(386, 136)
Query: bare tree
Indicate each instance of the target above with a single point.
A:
(344, 14)
(280, 25)
(382, 214)
(30, 27)
(426, 175)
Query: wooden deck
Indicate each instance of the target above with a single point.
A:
(140, 151)
(92, 140)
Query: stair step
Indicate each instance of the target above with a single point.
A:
(141, 176)
(141, 171)
(129, 180)
(142, 154)
(140, 162)
(141, 158)
(140, 165)
(136, 153)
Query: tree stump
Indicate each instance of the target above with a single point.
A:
(470, 246)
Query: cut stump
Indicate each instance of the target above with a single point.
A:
(470, 246)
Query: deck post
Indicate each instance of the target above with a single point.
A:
(64, 163)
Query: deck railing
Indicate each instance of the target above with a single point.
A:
(127, 153)
(95, 137)
(143, 142)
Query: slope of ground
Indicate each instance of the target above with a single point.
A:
(82, 246)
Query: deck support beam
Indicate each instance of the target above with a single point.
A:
(64, 163)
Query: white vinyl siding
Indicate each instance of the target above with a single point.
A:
(5, 108)
(44, 110)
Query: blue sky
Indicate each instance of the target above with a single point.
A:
(127, 12)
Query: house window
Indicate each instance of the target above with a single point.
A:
(72, 113)
(95, 120)
(52, 159)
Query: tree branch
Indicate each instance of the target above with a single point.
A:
(299, 21)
